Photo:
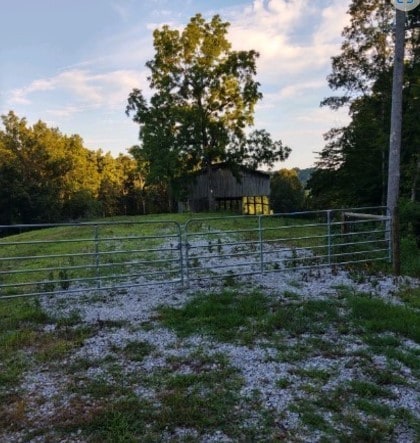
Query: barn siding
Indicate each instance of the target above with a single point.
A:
(225, 186)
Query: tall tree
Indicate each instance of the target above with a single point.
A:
(352, 167)
(47, 176)
(287, 193)
(204, 100)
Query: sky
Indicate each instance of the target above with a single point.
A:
(73, 63)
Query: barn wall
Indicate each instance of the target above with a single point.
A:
(225, 185)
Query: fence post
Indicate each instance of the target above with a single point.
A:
(185, 244)
(98, 279)
(329, 235)
(181, 253)
(260, 235)
(396, 246)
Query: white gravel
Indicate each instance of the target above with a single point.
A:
(257, 365)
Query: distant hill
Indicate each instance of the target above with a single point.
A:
(304, 174)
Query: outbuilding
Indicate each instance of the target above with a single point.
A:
(217, 188)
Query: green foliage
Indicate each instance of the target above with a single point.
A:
(287, 193)
(205, 96)
(352, 167)
(46, 176)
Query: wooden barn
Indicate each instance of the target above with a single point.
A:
(219, 189)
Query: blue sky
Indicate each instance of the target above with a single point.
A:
(72, 63)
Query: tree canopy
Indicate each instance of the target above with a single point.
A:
(287, 192)
(46, 176)
(203, 102)
(352, 167)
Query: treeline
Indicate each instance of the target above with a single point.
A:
(46, 176)
(352, 169)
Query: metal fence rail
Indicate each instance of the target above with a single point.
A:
(74, 257)
(279, 242)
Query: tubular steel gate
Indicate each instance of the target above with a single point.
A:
(76, 257)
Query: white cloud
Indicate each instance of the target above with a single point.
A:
(84, 88)
(298, 89)
(278, 30)
(333, 21)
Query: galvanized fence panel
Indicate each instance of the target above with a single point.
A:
(76, 257)
(279, 242)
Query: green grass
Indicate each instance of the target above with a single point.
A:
(113, 398)
(223, 315)
(200, 392)
(58, 257)
(19, 322)
(377, 316)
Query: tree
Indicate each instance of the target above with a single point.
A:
(31, 171)
(287, 193)
(352, 167)
(203, 104)
(46, 176)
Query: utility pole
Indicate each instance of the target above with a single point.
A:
(395, 139)
(396, 124)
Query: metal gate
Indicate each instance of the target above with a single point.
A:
(248, 245)
(73, 257)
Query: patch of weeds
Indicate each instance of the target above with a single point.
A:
(325, 348)
(379, 342)
(53, 346)
(310, 415)
(292, 262)
(203, 399)
(283, 383)
(312, 316)
(137, 350)
(82, 364)
(355, 411)
(366, 430)
(11, 369)
(64, 279)
(320, 375)
(194, 263)
(290, 295)
(122, 421)
(367, 389)
(101, 388)
(375, 408)
(72, 319)
(12, 411)
(229, 280)
(20, 322)
(295, 284)
(227, 316)
(385, 376)
(411, 359)
(375, 315)
(410, 296)
(17, 314)
(344, 291)
(290, 354)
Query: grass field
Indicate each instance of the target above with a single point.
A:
(306, 356)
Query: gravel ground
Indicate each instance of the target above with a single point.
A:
(257, 365)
